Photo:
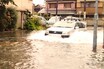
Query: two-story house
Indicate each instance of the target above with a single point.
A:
(89, 7)
(61, 7)
(74, 7)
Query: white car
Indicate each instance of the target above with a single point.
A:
(79, 21)
(43, 21)
(62, 27)
(53, 20)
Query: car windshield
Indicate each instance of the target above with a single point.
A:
(64, 24)
(54, 18)
(69, 18)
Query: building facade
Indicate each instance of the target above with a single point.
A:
(89, 7)
(74, 7)
(61, 7)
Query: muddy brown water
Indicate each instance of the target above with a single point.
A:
(48, 52)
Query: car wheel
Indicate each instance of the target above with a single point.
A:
(65, 36)
(45, 34)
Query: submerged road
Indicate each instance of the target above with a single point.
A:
(33, 50)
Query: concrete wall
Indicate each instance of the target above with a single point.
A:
(23, 5)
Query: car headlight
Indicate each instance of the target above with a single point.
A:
(65, 32)
(46, 31)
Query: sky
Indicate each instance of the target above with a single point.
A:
(36, 2)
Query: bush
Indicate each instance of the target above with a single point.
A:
(33, 23)
(11, 15)
(8, 21)
(29, 25)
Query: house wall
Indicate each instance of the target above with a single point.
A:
(89, 9)
(23, 5)
(61, 7)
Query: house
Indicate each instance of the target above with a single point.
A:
(61, 7)
(22, 6)
(74, 7)
(89, 7)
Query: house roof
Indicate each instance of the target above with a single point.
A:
(42, 11)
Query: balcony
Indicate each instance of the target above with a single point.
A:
(60, 12)
(58, 0)
(89, 12)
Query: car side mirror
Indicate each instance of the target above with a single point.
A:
(76, 27)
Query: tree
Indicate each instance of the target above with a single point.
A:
(3, 13)
(4, 2)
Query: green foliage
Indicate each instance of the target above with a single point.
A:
(29, 25)
(2, 16)
(8, 21)
(33, 24)
(11, 16)
(8, 1)
(28, 14)
(2, 11)
(46, 16)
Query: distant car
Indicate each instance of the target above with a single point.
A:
(43, 21)
(62, 27)
(53, 20)
(79, 22)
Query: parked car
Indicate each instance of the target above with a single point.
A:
(43, 21)
(79, 22)
(53, 20)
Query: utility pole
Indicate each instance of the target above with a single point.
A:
(95, 27)
(56, 7)
(103, 27)
(103, 35)
(84, 14)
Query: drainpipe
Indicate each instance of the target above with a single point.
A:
(95, 27)
(56, 7)
(84, 14)
(47, 7)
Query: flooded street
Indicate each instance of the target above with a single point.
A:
(33, 50)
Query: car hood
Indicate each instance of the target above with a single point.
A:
(63, 29)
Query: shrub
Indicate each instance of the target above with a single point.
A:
(8, 20)
(11, 15)
(29, 25)
(33, 23)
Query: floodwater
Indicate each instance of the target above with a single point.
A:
(33, 50)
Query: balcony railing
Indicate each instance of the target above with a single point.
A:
(62, 11)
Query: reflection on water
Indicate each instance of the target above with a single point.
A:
(18, 52)
(97, 60)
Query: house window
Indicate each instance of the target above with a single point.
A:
(88, 4)
(52, 5)
(67, 5)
